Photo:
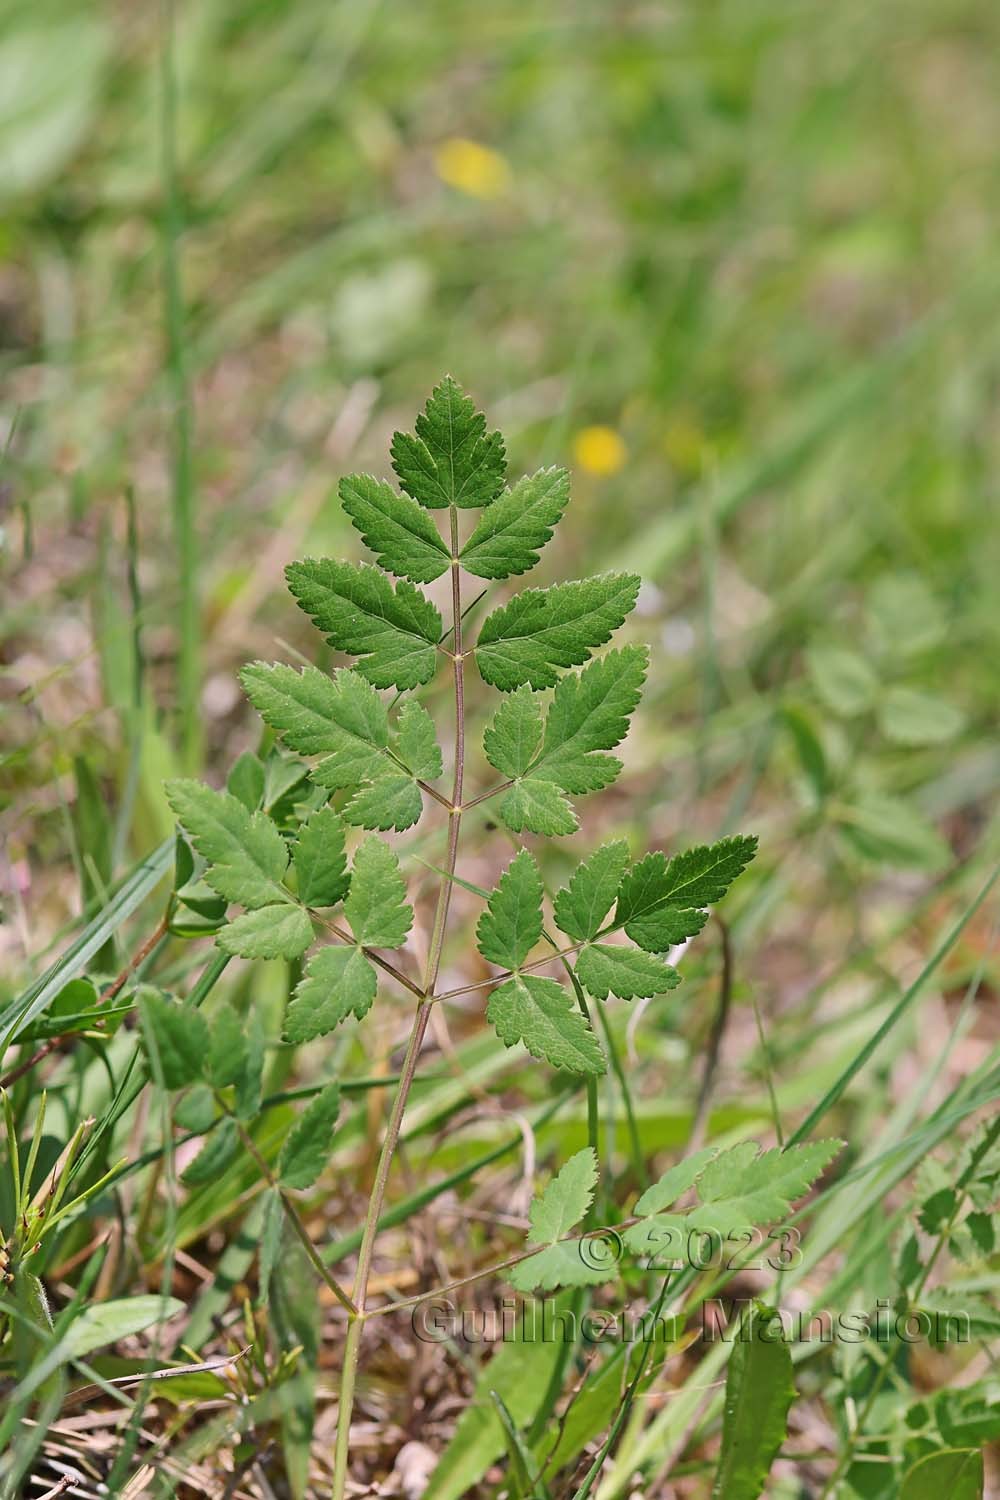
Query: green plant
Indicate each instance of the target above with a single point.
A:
(374, 765)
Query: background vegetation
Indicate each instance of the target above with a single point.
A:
(735, 264)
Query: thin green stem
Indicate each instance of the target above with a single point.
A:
(182, 478)
(352, 1344)
(291, 1213)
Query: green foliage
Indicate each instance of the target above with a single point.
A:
(320, 859)
(246, 853)
(759, 1393)
(306, 1150)
(611, 969)
(540, 1013)
(403, 537)
(512, 923)
(451, 460)
(738, 1190)
(582, 905)
(515, 527)
(540, 630)
(560, 1208)
(392, 631)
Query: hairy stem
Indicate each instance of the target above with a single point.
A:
(352, 1344)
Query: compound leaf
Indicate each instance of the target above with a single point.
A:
(740, 1186)
(603, 969)
(675, 1181)
(267, 932)
(393, 801)
(562, 1205)
(320, 859)
(695, 878)
(337, 983)
(665, 928)
(393, 631)
(540, 1013)
(512, 738)
(452, 459)
(376, 905)
(581, 906)
(540, 630)
(589, 713)
(306, 1149)
(514, 528)
(565, 1200)
(512, 925)
(537, 807)
(339, 716)
(418, 746)
(401, 534)
(245, 852)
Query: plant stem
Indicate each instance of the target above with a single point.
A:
(182, 478)
(291, 1213)
(352, 1344)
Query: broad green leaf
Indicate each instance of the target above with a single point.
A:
(418, 747)
(537, 807)
(176, 1035)
(320, 859)
(844, 680)
(106, 1322)
(910, 718)
(757, 1189)
(219, 1151)
(376, 905)
(697, 877)
(512, 925)
(245, 852)
(955, 1472)
(393, 801)
(565, 1264)
(514, 528)
(894, 832)
(581, 906)
(540, 630)
(403, 536)
(337, 983)
(269, 932)
(759, 1393)
(512, 737)
(540, 1013)
(452, 459)
(306, 1150)
(393, 631)
(589, 714)
(662, 929)
(339, 716)
(612, 969)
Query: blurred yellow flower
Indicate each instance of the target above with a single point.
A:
(472, 168)
(599, 450)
